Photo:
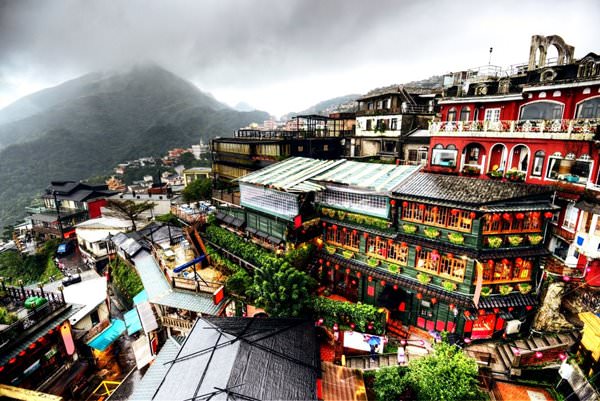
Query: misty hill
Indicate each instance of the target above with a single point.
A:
(243, 106)
(103, 119)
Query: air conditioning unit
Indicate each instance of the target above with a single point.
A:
(513, 326)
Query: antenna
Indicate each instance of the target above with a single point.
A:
(490, 59)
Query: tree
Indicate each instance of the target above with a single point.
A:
(390, 383)
(447, 374)
(197, 190)
(281, 289)
(130, 209)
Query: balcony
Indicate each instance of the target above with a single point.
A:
(563, 233)
(177, 324)
(406, 109)
(575, 130)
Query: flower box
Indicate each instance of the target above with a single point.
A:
(456, 238)
(393, 268)
(409, 228)
(431, 232)
(505, 289)
(494, 242)
(373, 262)
(348, 254)
(330, 249)
(486, 291)
(423, 278)
(524, 288)
(515, 240)
(448, 285)
(534, 239)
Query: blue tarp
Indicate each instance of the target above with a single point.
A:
(108, 336)
(62, 248)
(142, 296)
(188, 264)
(132, 322)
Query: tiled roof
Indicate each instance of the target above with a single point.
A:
(466, 190)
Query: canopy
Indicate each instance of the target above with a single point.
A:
(62, 248)
(132, 322)
(108, 336)
(141, 296)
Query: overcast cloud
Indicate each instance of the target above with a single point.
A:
(278, 55)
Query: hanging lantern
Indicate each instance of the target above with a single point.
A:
(365, 235)
(22, 353)
(369, 279)
(353, 282)
(510, 308)
(496, 217)
(378, 238)
(321, 261)
(334, 227)
(450, 256)
(403, 244)
(421, 207)
(344, 229)
(491, 263)
(328, 263)
(433, 301)
(354, 232)
(496, 310)
(451, 306)
(434, 252)
(337, 267)
(405, 204)
(347, 271)
(419, 295)
(335, 327)
(352, 326)
(382, 283)
(481, 312)
(434, 209)
(548, 215)
(390, 241)
(539, 355)
(324, 224)
(418, 248)
(395, 287)
(505, 261)
(507, 216)
(519, 261)
(520, 216)
(467, 313)
(454, 212)
(370, 326)
(536, 215)
(529, 307)
(562, 356)
(393, 202)
(472, 215)
(320, 321)
(358, 274)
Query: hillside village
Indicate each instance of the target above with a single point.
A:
(351, 255)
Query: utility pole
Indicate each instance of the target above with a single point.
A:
(60, 227)
(490, 59)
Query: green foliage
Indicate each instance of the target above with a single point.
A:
(390, 383)
(126, 279)
(169, 218)
(7, 317)
(447, 375)
(188, 160)
(29, 268)
(300, 256)
(344, 313)
(136, 173)
(130, 209)
(238, 281)
(196, 190)
(51, 271)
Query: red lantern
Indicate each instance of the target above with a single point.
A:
(328, 263)
(369, 279)
(510, 309)
(22, 353)
(337, 267)
(418, 248)
(536, 215)
(324, 224)
(354, 232)
(519, 261)
(496, 310)
(505, 261)
(529, 307)
(434, 209)
(520, 216)
(472, 215)
(377, 238)
(365, 235)
(451, 306)
(454, 212)
(347, 271)
(334, 227)
(352, 326)
(467, 313)
(395, 287)
(405, 204)
(344, 229)
(433, 301)
(434, 252)
(548, 215)
(507, 217)
(403, 244)
(390, 241)
(539, 355)
(393, 202)
(320, 261)
(481, 312)
(450, 256)
(495, 217)
(12, 360)
(358, 274)
(419, 295)
(382, 283)
(491, 263)
(421, 207)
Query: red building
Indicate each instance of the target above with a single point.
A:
(536, 122)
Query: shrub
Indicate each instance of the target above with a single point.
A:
(390, 383)
(344, 313)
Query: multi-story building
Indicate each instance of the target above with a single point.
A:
(534, 122)
(67, 203)
(385, 120)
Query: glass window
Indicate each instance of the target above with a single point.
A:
(369, 124)
(492, 115)
(589, 108)
(465, 113)
(394, 124)
(443, 157)
(542, 111)
(570, 219)
(452, 114)
(538, 163)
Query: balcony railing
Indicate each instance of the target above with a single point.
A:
(577, 129)
(406, 109)
(563, 233)
(175, 323)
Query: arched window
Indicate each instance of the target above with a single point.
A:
(542, 111)
(444, 157)
(589, 108)
(451, 114)
(465, 113)
(538, 163)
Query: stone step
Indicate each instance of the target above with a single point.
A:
(509, 353)
(530, 344)
(552, 340)
(501, 352)
(521, 344)
(539, 342)
(566, 338)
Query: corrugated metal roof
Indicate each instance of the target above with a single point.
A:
(373, 176)
(291, 174)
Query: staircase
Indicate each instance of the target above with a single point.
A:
(395, 328)
(366, 363)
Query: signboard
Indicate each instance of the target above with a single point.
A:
(141, 351)
(147, 317)
(479, 283)
(218, 295)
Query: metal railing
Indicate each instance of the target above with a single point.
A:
(575, 129)
(176, 323)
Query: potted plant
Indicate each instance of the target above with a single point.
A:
(373, 262)
(470, 170)
(456, 238)
(515, 240)
(534, 239)
(348, 254)
(495, 173)
(330, 249)
(486, 291)
(505, 289)
(431, 232)
(524, 288)
(494, 242)
(394, 268)
(409, 228)
(448, 285)
(423, 278)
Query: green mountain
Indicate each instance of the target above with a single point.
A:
(86, 126)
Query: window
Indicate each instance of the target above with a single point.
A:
(570, 219)
(507, 270)
(451, 114)
(300, 148)
(387, 249)
(589, 108)
(443, 157)
(343, 237)
(441, 265)
(496, 223)
(542, 111)
(370, 106)
(570, 170)
(325, 147)
(465, 113)
(440, 216)
(412, 155)
(538, 163)
(373, 205)
(394, 124)
(279, 203)
(369, 124)
(492, 115)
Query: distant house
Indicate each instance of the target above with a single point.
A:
(236, 359)
(193, 174)
(93, 237)
(67, 203)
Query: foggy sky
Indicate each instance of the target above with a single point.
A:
(278, 55)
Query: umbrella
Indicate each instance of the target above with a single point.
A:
(374, 340)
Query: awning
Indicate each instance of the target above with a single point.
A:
(188, 264)
(108, 336)
(62, 248)
(132, 322)
(274, 240)
(142, 296)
